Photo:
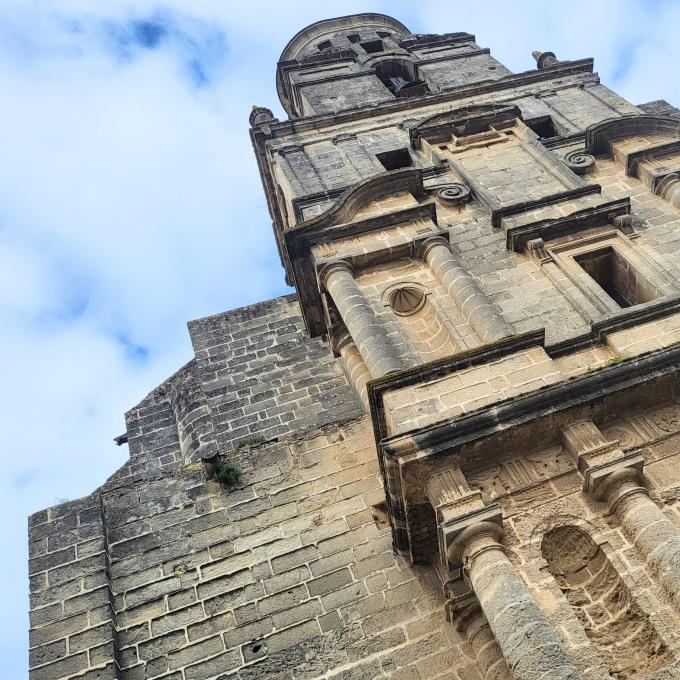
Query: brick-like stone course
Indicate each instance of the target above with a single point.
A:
(291, 573)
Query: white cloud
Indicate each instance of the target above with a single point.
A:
(130, 201)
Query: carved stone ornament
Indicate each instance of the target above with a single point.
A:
(455, 193)
(667, 419)
(261, 116)
(667, 184)
(579, 161)
(406, 300)
(544, 59)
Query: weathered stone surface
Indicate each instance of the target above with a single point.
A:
(463, 297)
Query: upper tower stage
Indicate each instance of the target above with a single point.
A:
(367, 59)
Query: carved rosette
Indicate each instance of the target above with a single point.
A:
(667, 419)
(579, 161)
(455, 193)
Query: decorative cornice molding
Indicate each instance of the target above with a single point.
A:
(442, 368)
(581, 391)
(498, 214)
(469, 119)
(600, 135)
(361, 194)
(517, 238)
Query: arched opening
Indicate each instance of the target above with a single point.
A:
(613, 622)
(400, 77)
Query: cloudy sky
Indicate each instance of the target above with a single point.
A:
(130, 201)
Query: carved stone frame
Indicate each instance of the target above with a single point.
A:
(557, 259)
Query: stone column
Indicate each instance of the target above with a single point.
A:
(469, 621)
(475, 307)
(354, 366)
(532, 648)
(615, 477)
(669, 189)
(360, 320)
(470, 535)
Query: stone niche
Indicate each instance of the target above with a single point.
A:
(613, 621)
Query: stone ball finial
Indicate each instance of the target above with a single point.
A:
(261, 115)
(544, 59)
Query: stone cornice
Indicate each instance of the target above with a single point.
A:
(361, 194)
(295, 126)
(600, 135)
(517, 237)
(580, 392)
(441, 368)
(498, 214)
(474, 118)
(627, 318)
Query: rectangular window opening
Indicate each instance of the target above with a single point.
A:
(544, 127)
(616, 276)
(373, 46)
(393, 160)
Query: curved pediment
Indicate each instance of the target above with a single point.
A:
(465, 120)
(600, 135)
(362, 194)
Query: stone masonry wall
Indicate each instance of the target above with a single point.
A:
(263, 377)
(292, 574)
(163, 574)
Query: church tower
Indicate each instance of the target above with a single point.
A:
(454, 452)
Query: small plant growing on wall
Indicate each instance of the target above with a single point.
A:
(228, 474)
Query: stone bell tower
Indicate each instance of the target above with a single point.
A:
(474, 247)
(455, 451)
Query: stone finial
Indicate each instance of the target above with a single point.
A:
(260, 116)
(545, 59)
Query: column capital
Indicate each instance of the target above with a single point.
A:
(598, 458)
(426, 245)
(476, 535)
(620, 484)
(458, 510)
(337, 266)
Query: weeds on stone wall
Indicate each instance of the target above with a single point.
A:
(228, 474)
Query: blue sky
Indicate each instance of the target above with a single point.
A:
(130, 201)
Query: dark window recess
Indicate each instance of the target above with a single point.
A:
(393, 160)
(544, 127)
(384, 34)
(400, 78)
(354, 38)
(373, 46)
(617, 277)
(325, 46)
